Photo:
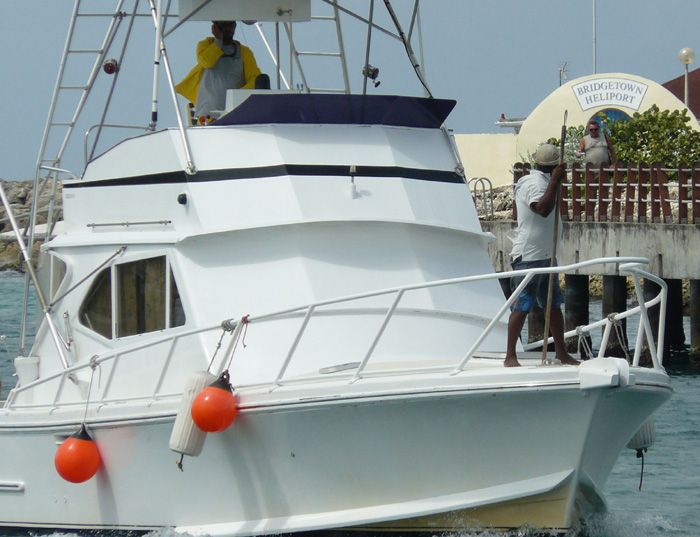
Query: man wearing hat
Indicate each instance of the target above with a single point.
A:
(535, 198)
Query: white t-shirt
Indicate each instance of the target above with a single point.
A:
(226, 74)
(533, 241)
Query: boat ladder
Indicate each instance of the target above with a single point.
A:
(296, 55)
(84, 61)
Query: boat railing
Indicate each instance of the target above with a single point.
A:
(86, 152)
(356, 371)
(71, 373)
(628, 265)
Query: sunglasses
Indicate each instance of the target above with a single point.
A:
(593, 130)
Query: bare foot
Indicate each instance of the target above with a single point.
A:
(511, 361)
(567, 359)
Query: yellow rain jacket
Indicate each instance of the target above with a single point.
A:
(208, 53)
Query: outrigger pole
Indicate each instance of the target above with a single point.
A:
(161, 53)
(45, 308)
(409, 50)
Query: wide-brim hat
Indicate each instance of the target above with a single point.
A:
(547, 155)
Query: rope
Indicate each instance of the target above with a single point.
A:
(640, 455)
(245, 322)
(583, 343)
(93, 365)
(617, 325)
(216, 349)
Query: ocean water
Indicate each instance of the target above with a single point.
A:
(667, 505)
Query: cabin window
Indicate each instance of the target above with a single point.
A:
(133, 298)
(96, 312)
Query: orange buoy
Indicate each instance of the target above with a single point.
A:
(215, 407)
(78, 458)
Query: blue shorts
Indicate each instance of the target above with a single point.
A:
(536, 289)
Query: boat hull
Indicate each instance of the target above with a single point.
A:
(416, 458)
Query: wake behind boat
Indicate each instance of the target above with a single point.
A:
(322, 251)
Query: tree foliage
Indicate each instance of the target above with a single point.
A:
(662, 136)
(571, 143)
(656, 136)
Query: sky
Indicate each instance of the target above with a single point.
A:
(492, 56)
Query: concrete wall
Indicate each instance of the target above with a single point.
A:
(672, 249)
(488, 155)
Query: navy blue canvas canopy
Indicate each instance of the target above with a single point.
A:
(340, 110)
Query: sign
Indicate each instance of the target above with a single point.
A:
(610, 92)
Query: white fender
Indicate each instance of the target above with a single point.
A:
(644, 437)
(186, 437)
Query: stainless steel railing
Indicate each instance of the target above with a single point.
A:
(358, 370)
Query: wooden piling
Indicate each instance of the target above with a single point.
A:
(615, 301)
(675, 335)
(576, 306)
(695, 322)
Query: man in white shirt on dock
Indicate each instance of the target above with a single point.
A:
(535, 196)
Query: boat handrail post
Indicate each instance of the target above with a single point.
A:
(645, 325)
(655, 352)
(387, 317)
(293, 348)
(30, 269)
(496, 318)
(606, 337)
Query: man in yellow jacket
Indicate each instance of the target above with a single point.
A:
(222, 63)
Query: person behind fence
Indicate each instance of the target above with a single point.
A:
(597, 148)
(535, 196)
(222, 64)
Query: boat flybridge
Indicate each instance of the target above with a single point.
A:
(316, 250)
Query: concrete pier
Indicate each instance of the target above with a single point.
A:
(672, 249)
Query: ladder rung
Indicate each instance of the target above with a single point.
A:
(73, 88)
(111, 14)
(331, 54)
(62, 124)
(85, 51)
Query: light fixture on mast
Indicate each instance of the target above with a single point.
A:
(686, 56)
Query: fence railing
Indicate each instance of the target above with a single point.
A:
(641, 193)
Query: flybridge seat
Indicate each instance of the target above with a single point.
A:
(270, 106)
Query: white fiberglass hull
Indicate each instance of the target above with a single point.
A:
(421, 455)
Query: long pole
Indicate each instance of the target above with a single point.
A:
(550, 287)
(46, 310)
(595, 32)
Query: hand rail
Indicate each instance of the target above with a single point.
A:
(628, 265)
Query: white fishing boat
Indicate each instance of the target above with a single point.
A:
(323, 249)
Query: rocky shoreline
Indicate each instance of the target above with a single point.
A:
(20, 196)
